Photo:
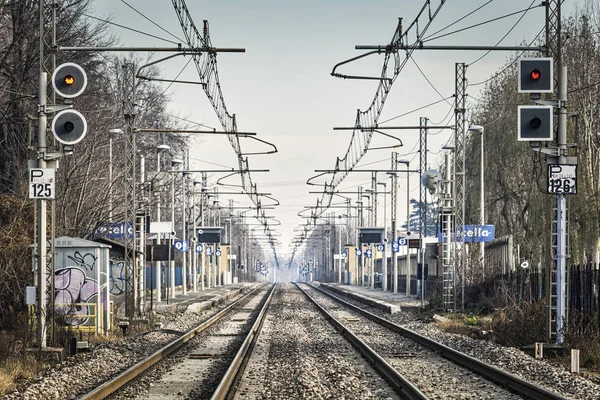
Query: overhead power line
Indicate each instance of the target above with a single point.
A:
(130, 29)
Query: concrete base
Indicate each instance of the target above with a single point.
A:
(49, 354)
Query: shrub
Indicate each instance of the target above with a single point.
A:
(520, 325)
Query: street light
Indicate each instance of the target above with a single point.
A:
(479, 128)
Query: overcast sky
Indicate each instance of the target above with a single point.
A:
(282, 89)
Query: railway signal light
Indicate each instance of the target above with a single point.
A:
(536, 75)
(535, 123)
(69, 126)
(69, 80)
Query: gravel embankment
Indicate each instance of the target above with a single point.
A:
(299, 355)
(514, 361)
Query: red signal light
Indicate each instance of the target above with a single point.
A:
(535, 74)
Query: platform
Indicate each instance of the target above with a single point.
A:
(202, 299)
(386, 301)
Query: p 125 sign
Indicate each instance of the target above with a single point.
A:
(41, 183)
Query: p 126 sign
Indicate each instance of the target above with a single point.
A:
(41, 183)
(562, 179)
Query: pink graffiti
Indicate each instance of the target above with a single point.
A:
(73, 286)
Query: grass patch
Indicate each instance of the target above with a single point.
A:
(463, 324)
(15, 371)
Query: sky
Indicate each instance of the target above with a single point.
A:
(281, 86)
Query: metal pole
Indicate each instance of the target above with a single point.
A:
(194, 253)
(561, 209)
(407, 230)
(158, 277)
(340, 254)
(384, 260)
(373, 222)
(41, 226)
(204, 219)
(394, 215)
(171, 293)
(230, 252)
(359, 221)
(184, 235)
(110, 176)
(142, 280)
(481, 208)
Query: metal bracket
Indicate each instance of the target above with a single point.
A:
(57, 107)
(553, 103)
(57, 154)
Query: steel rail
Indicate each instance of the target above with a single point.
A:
(225, 386)
(400, 384)
(111, 386)
(505, 379)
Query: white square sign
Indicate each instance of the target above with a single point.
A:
(41, 183)
(562, 179)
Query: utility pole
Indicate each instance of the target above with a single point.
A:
(194, 242)
(423, 204)
(447, 213)
(373, 223)
(360, 260)
(130, 187)
(459, 172)
(43, 261)
(184, 257)
(394, 212)
(558, 310)
(41, 203)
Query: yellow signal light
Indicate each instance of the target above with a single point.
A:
(69, 80)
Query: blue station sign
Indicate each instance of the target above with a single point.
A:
(473, 233)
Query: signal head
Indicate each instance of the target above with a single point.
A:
(535, 75)
(69, 127)
(69, 80)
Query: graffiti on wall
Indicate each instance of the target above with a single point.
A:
(117, 277)
(75, 288)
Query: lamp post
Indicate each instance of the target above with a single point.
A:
(479, 128)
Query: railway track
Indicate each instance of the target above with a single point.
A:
(214, 345)
(414, 362)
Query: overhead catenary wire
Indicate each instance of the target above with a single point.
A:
(152, 22)
(458, 20)
(481, 23)
(506, 67)
(505, 35)
(130, 29)
(415, 110)
(428, 81)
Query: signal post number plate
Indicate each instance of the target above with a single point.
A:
(562, 179)
(41, 183)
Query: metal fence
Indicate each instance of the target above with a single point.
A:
(527, 285)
